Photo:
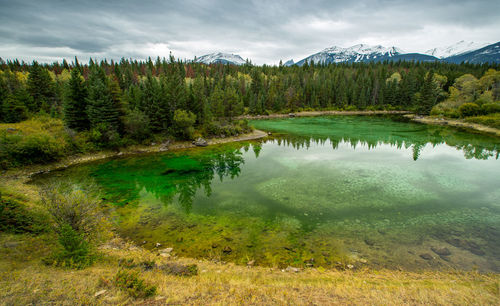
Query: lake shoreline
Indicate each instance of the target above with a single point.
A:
(25, 173)
(454, 122)
(322, 113)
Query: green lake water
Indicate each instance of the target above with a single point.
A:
(321, 191)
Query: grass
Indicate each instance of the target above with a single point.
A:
(25, 280)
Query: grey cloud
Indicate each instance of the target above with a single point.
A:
(264, 31)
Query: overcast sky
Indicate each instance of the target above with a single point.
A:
(263, 31)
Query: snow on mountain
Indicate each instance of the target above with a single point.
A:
(488, 54)
(222, 58)
(289, 63)
(356, 53)
(458, 48)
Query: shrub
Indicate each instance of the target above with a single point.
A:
(492, 120)
(184, 123)
(75, 251)
(37, 148)
(137, 125)
(104, 136)
(15, 218)
(135, 287)
(469, 109)
(490, 108)
(79, 224)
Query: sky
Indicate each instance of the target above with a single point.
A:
(263, 31)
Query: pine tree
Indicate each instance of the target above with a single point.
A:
(41, 88)
(101, 109)
(75, 103)
(13, 110)
(428, 95)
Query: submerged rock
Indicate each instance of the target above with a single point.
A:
(441, 251)
(369, 242)
(426, 256)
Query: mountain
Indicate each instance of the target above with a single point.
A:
(407, 57)
(488, 54)
(220, 58)
(289, 63)
(460, 47)
(357, 53)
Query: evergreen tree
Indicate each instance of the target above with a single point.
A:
(41, 88)
(75, 103)
(101, 108)
(13, 110)
(428, 95)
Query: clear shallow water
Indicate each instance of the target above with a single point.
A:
(326, 191)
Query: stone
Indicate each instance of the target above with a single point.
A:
(292, 269)
(369, 242)
(158, 245)
(227, 250)
(426, 256)
(167, 250)
(11, 244)
(251, 263)
(350, 266)
(441, 251)
(200, 142)
(98, 293)
(291, 115)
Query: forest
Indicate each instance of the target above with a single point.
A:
(112, 104)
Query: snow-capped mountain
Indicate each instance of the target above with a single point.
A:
(222, 58)
(460, 47)
(356, 53)
(289, 63)
(488, 54)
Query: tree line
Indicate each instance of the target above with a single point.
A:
(167, 96)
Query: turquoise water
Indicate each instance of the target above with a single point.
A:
(322, 191)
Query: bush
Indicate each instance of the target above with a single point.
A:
(37, 148)
(15, 218)
(135, 287)
(104, 136)
(75, 251)
(492, 120)
(469, 109)
(79, 224)
(184, 123)
(490, 108)
(137, 125)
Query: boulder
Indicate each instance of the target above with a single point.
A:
(291, 115)
(426, 256)
(292, 269)
(441, 251)
(200, 142)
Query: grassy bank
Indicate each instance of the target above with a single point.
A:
(25, 280)
(473, 123)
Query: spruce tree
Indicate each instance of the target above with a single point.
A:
(101, 110)
(428, 95)
(41, 88)
(13, 110)
(75, 103)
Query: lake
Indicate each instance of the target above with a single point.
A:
(321, 191)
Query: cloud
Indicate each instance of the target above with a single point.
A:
(263, 31)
